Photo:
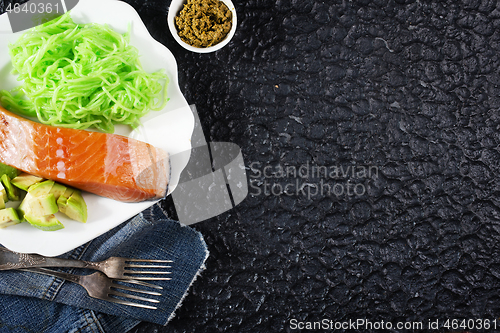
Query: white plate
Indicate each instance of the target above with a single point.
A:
(170, 129)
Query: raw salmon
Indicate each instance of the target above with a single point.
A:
(108, 165)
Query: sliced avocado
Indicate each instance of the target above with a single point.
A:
(48, 186)
(63, 199)
(62, 202)
(47, 197)
(3, 193)
(2, 202)
(41, 189)
(69, 191)
(8, 217)
(73, 207)
(25, 180)
(24, 207)
(57, 190)
(12, 192)
(45, 222)
(8, 170)
(43, 205)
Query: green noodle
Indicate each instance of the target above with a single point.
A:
(81, 76)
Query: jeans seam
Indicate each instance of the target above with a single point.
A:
(97, 322)
(91, 325)
(84, 327)
(51, 292)
(85, 314)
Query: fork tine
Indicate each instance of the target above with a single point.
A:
(143, 278)
(120, 286)
(117, 293)
(142, 283)
(120, 301)
(148, 260)
(146, 266)
(130, 272)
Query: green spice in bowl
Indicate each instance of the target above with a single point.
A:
(202, 25)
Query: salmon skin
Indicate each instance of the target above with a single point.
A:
(109, 165)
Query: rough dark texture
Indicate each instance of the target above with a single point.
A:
(411, 87)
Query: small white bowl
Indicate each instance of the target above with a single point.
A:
(175, 8)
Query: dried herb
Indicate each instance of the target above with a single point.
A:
(203, 23)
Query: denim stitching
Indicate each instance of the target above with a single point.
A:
(90, 325)
(51, 292)
(97, 322)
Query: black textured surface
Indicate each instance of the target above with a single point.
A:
(411, 87)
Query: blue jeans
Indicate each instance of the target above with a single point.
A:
(31, 302)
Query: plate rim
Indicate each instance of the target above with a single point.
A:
(132, 17)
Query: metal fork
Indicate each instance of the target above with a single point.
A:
(113, 267)
(100, 286)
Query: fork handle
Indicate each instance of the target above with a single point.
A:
(62, 275)
(14, 260)
(61, 262)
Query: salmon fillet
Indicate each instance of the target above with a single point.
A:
(108, 165)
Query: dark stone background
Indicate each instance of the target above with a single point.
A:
(411, 87)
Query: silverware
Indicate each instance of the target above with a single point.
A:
(113, 267)
(100, 286)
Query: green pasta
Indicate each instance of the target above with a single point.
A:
(81, 76)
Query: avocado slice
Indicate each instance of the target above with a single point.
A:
(25, 180)
(8, 170)
(12, 192)
(2, 202)
(69, 191)
(41, 189)
(43, 205)
(73, 207)
(57, 190)
(24, 207)
(8, 217)
(3, 193)
(46, 198)
(44, 222)
(46, 187)
(63, 198)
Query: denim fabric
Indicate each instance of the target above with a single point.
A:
(31, 302)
